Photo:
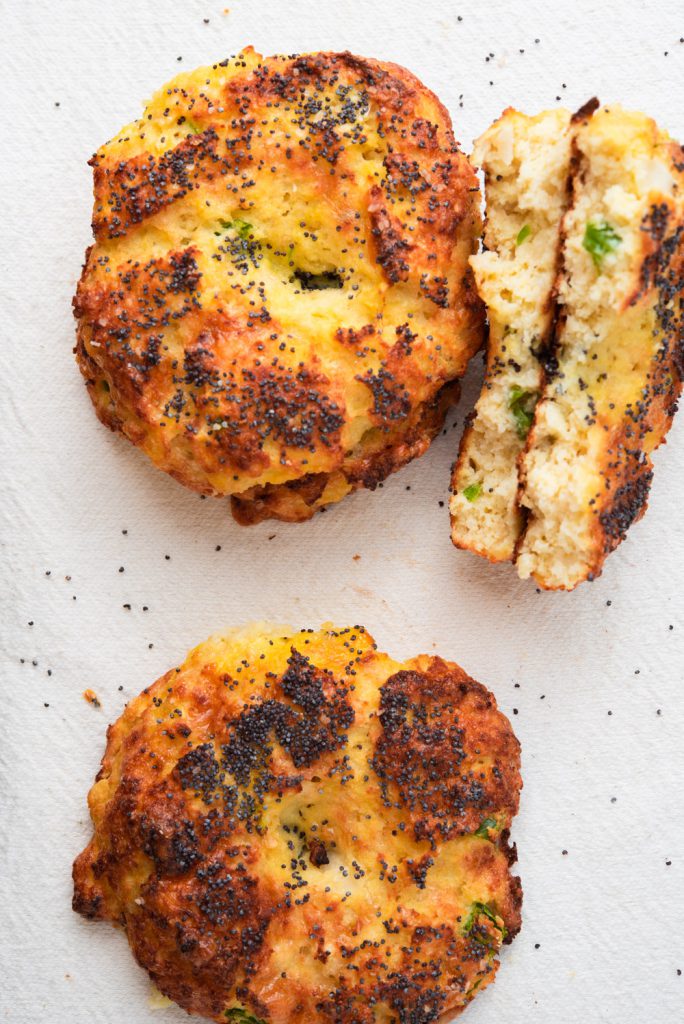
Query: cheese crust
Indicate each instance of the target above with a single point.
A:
(278, 300)
(293, 826)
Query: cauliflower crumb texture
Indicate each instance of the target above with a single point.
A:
(278, 300)
(526, 162)
(294, 827)
(592, 393)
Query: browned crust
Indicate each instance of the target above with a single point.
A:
(586, 110)
(434, 721)
(625, 465)
(211, 383)
(301, 499)
(194, 774)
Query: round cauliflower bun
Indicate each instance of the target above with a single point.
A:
(294, 827)
(278, 300)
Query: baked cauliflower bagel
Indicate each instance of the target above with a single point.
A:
(293, 827)
(278, 301)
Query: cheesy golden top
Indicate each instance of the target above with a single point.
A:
(296, 827)
(279, 294)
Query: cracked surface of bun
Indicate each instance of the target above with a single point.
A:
(278, 299)
(292, 826)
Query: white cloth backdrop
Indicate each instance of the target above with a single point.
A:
(595, 676)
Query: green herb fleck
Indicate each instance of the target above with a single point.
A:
(240, 1016)
(522, 403)
(240, 227)
(599, 240)
(479, 909)
(474, 988)
(472, 491)
(191, 126)
(525, 232)
(483, 830)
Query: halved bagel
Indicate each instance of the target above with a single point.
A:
(292, 826)
(619, 350)
(584, 371)
(278, 300)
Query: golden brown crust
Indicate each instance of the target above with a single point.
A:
(627, 468)
(261, 214)
(300, 499)
(297, 825)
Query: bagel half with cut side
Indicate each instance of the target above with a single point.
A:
(586, 350)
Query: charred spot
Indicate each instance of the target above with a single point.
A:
(545, 349)
(391, 248)
(419, 869)
(87, 904)
(586, 110)
(130, 191)
(403, 346)
(199, 770)
(185, 943)
(391, 400)
(198, 367)
(227, 896)
(420, 754)
(628, 503)
(412, 1000)
(173, 855)
(318, 855)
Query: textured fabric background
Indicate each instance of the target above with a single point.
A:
(592, 680)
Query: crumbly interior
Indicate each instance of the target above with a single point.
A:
(526, 165)
(591, 413)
